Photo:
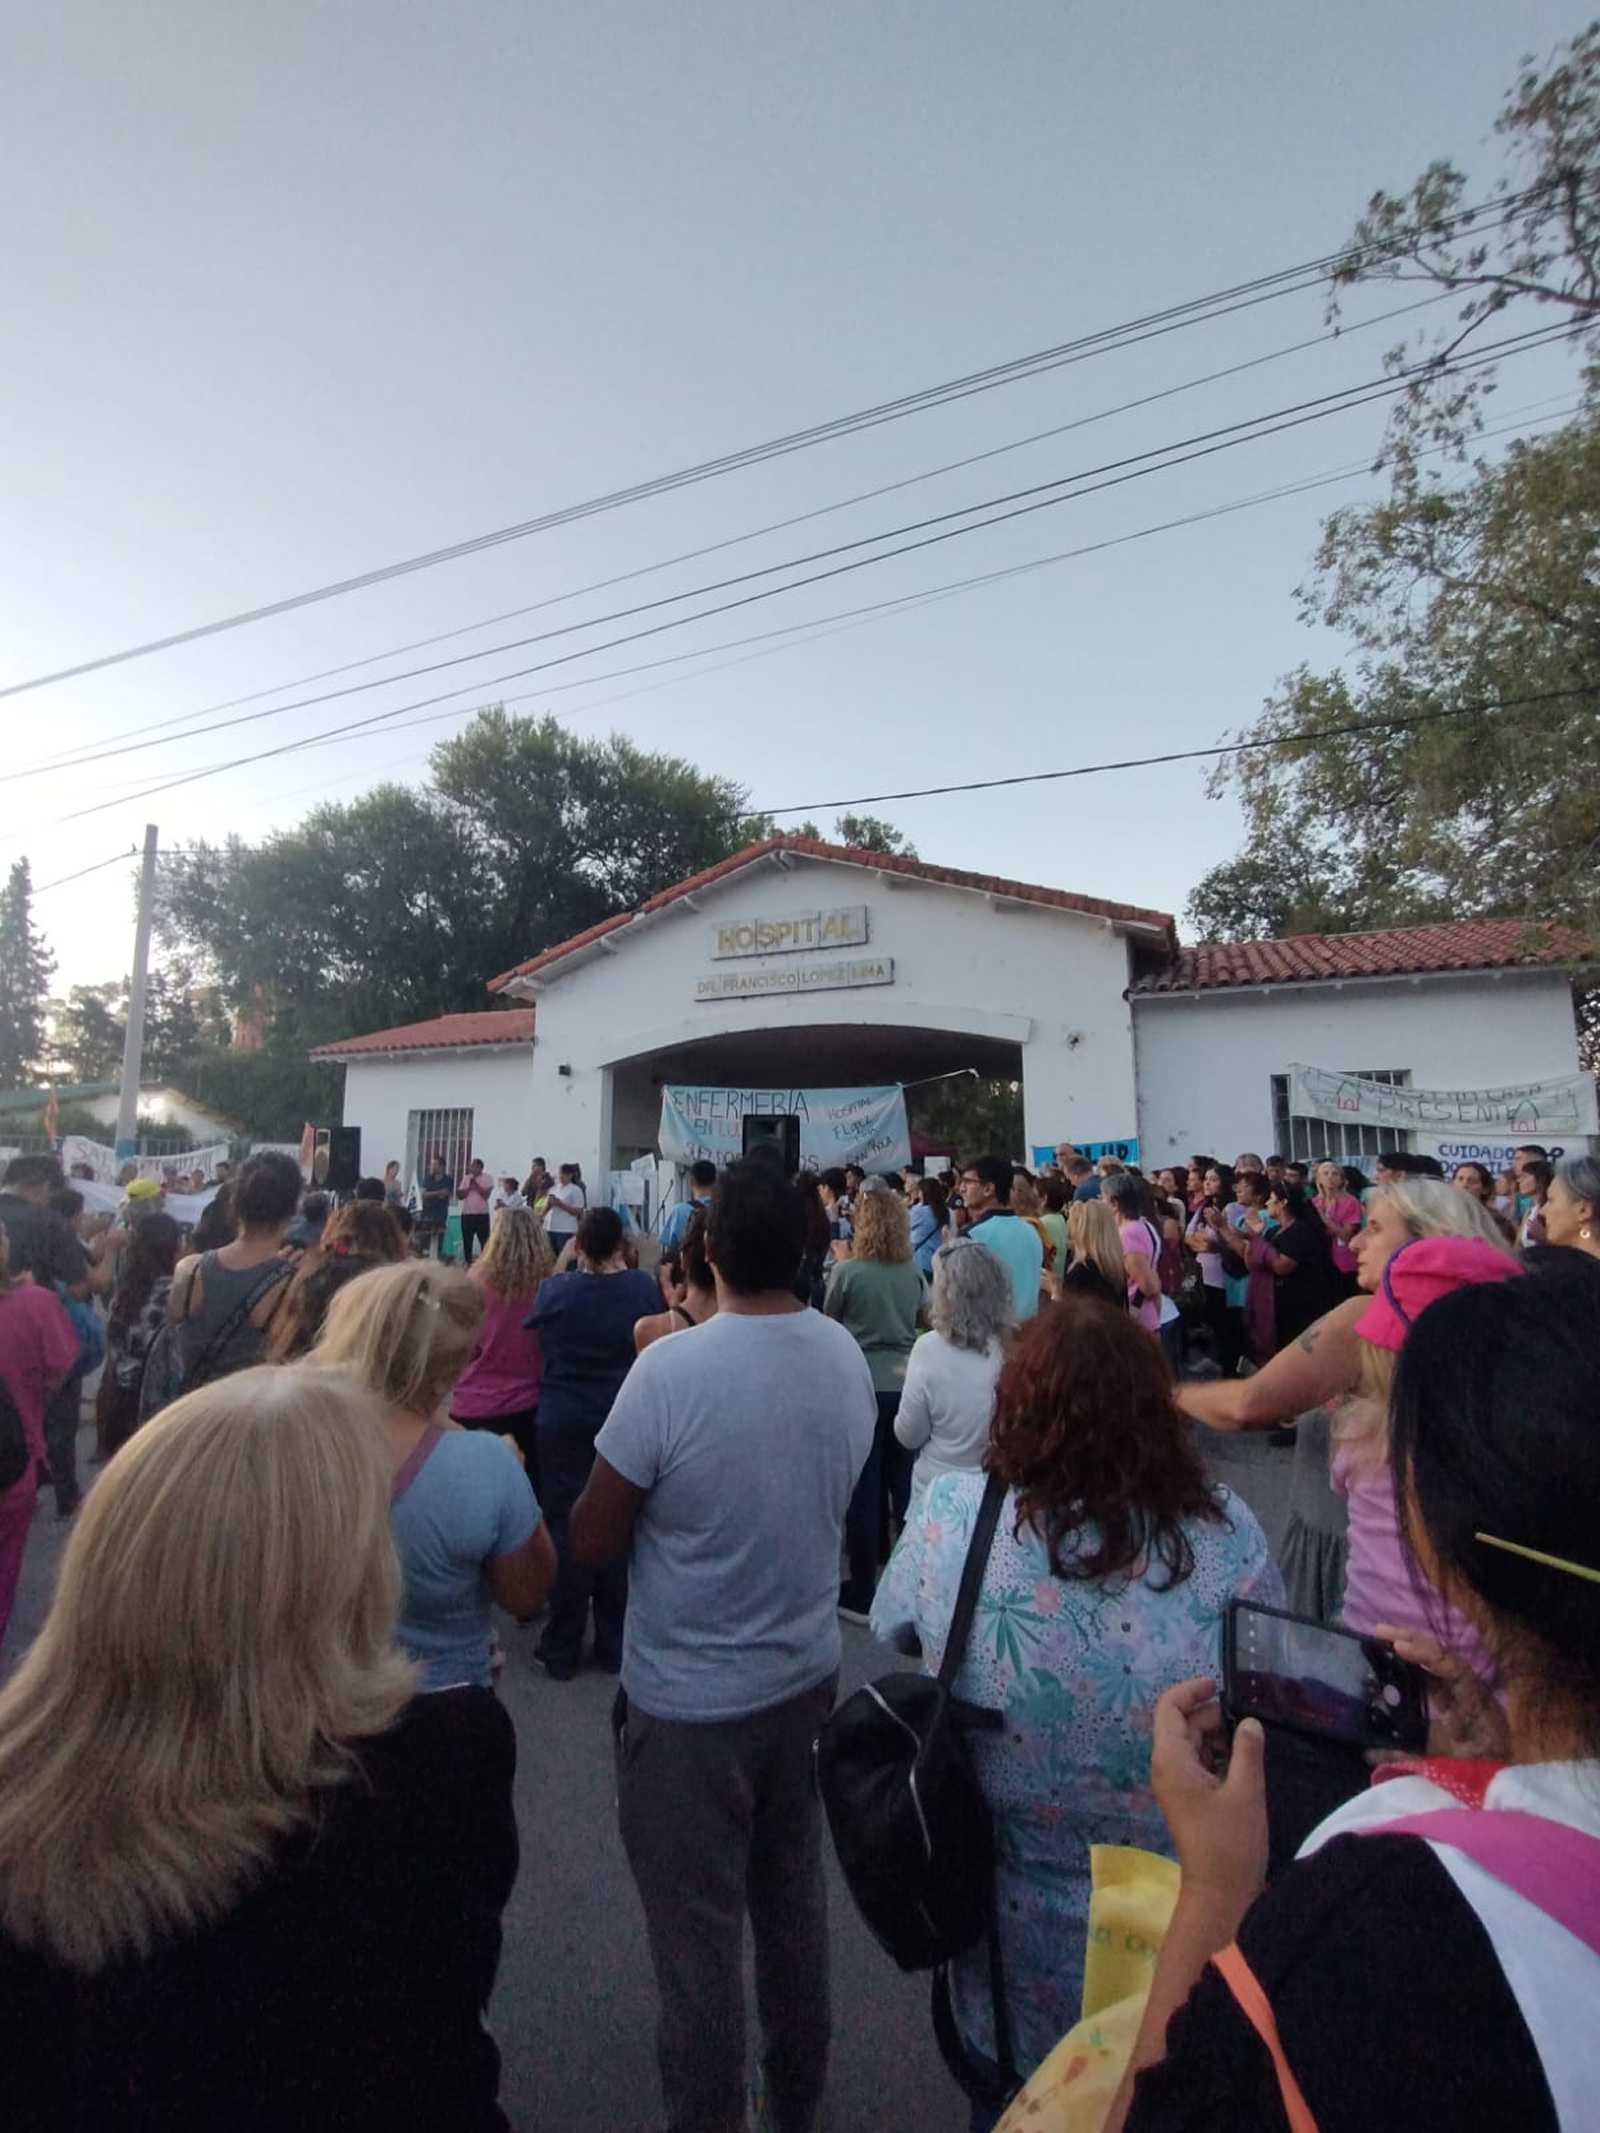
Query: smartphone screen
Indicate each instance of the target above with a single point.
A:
(1290, 1672)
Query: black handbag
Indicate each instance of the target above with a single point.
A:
(911, 1826)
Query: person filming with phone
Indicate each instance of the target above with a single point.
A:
(1432, 1959)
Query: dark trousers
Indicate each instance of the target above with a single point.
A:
(523, 1430)
(1227, 1331)
(474, 1231)
(61, 1444)
(881, 1493)
(720, 1821)
(566, 1458)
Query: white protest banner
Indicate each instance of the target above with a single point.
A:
(837, 1126)
(185, 1208)
(94, 1156)
(1492, 1150)
(102, 1160)
(1522, 1111)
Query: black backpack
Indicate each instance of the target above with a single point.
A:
(911, 1826)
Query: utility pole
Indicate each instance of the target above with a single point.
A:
(133, 1042)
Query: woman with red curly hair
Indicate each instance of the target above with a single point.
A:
(1111, 1569)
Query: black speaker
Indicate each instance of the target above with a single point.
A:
(780, 1134)
(344, 1158)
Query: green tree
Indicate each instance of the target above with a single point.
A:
(863, 833)
(973, 1115)
(26, 965)
(86, 1040)
(402, 903)
(182, 1017)
(1525, 256)
(1472, 782)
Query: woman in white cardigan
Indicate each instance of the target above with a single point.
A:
(948, 1400)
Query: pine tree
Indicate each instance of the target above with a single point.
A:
(26, 966)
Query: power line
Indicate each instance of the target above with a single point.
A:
(1191, 755)
(1351, 729)
(61, 880)
(854, 617)
(817, 628)
(1227, 442)
(692, 555)
(1194, 311)
(1084, 482)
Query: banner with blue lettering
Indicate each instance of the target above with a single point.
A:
(1125, 1151)
(837, 1126)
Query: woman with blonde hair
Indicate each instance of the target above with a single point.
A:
(248, 1879)
(876, 1295)
(465, 1520)
(499, 1389)
(1348, 1565)
(1098, 1268)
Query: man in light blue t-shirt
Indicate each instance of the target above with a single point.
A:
(675, 1223)
(727, 1465)
(986, 1195)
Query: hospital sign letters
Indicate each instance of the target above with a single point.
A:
(844, 927)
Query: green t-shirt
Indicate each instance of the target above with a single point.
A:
(878, 1303)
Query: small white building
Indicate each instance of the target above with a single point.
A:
(459, 1083)
(1481, 1006)
(796, 965)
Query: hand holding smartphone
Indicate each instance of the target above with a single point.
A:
(1329, 1683)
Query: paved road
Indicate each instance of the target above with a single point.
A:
(575, 2007)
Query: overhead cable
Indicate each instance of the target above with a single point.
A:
(1018, 503)
(1174, 317)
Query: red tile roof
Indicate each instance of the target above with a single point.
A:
(1403, 951)
(880, 862)
(444, 1033)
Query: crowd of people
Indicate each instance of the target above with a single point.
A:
(256, 1818)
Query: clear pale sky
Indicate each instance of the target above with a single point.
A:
(299, 290)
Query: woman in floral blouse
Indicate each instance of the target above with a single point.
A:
(1111, 1570)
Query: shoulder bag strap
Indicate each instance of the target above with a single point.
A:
(966, 1607)
(413, 1463)
(955, 1650)
(275, 1271)
(1256, 2008)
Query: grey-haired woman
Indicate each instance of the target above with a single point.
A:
(1572, 1210)
(948, 1400)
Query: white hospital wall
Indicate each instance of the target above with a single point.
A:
(1205, 1061)
(1051, 981)
(497, 1086)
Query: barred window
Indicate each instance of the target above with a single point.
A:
(448, 1131)
(1311, 1140)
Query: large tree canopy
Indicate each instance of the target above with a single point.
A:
(1471, 781)
(403, 903)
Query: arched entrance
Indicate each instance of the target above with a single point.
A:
(814, 1055)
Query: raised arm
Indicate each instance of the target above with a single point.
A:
(1320, 1366)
